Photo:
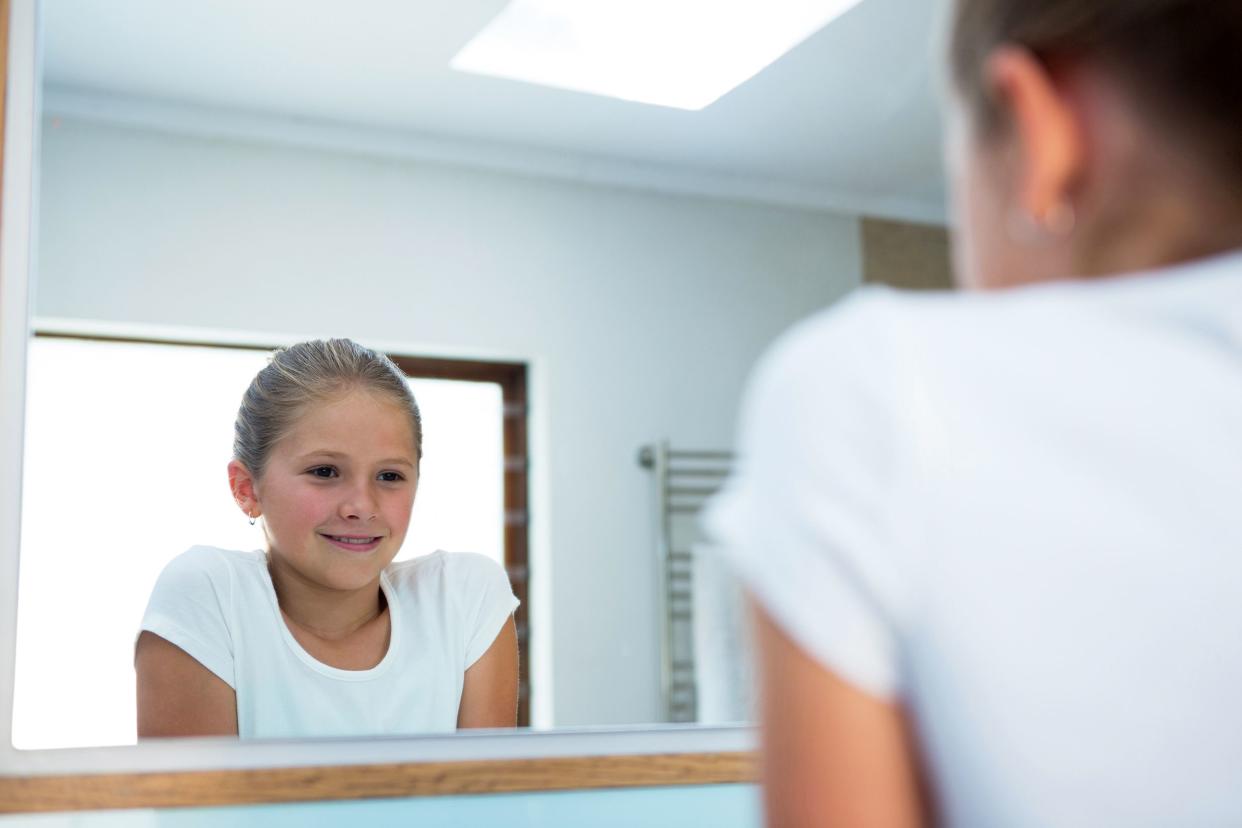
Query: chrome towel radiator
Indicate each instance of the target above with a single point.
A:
(684, 482)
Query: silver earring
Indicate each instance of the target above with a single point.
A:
(1028, 229)
(1060, 219)
(1021, 227)
(252, 520)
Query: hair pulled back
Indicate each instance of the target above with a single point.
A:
(1180, 60)
(311, 372)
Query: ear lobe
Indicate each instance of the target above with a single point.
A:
(241, 483)
(1046, 130)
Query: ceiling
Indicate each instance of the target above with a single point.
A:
(851, 113)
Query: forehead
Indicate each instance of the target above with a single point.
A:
(360, 423)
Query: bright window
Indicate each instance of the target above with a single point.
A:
(126, 449)
(678, 53)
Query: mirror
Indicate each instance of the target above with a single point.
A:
(577, 285)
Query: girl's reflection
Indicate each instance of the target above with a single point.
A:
(322, 634)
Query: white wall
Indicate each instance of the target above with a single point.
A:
(640, 314)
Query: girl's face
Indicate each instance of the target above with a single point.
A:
(338, 490)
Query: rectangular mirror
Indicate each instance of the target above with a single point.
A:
(575, 286)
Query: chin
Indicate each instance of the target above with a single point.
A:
(349, 570)
(353, 577)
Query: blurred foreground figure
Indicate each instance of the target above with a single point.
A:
(994, 538)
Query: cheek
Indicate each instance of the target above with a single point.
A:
(302, 507)
(397, 510)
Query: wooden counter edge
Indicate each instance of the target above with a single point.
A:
(28, 794)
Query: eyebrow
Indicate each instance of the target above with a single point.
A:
(391, 461)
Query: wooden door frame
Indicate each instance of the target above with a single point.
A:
(511, 377)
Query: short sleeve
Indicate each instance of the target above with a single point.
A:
(485, 599)
(188, 608)
(806, 521)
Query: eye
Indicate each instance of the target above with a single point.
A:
(324, 472)
(391, 477)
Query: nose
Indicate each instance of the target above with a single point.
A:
(360, 504)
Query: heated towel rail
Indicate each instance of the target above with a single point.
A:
(684, 481)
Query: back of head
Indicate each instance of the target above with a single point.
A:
(1180, 60)
(310, 372)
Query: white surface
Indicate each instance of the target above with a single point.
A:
(684, 54)
(21, 131)
(851, 111)
(639, 315)
(1018, 513)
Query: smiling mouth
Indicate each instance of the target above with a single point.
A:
(353, 540)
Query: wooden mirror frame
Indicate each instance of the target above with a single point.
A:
(212, 772)
(175, 773)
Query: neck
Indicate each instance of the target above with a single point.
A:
(1168, 232)
(330, 614)
(1150, 202)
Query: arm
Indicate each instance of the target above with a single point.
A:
(489, 695)
(177, 696)
(831, 754)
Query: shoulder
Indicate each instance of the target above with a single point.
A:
(839, 364)
(863, 313)
(875, 324)
(472, 588)
(209, 562)
(202, 569)
(472, 566)
(880, 343)
(849, 339)
(193, 606)
(448, 568)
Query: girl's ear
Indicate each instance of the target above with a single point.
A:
(1048, 134)
(241, 482)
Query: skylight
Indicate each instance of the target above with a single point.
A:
(676, 53)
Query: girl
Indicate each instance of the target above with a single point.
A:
(994, 537)
(321, 634)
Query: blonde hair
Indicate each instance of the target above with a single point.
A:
(310, 372)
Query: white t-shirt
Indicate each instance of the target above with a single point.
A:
(1020, 514)
(446, 610)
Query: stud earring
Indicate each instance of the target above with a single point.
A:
(1059, 220)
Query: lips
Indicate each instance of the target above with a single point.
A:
(354, 543)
